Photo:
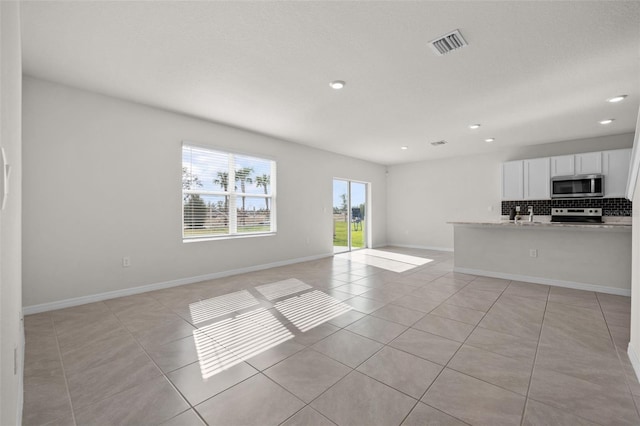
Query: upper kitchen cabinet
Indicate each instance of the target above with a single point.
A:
(563, 165)
(589, 163)
(530, 179)
(537, 176)
(512, 180)
(615, 167)
(578, 164)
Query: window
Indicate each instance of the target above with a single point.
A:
(226, 194)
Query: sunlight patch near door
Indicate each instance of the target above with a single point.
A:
(395, 262)
(405, 258)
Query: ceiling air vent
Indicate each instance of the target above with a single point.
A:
(438, 143)
(447, 43)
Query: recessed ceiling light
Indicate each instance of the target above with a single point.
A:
(337, 84)
(617, 99)
(404, 148)
(489, 140)
(474, 126)
(607, 121)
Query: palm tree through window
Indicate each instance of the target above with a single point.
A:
(226, 194)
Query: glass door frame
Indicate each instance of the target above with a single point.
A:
(366, 234)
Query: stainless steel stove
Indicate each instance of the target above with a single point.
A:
(577, 215)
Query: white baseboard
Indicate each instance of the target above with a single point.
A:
(420, 247)
(547, 281)
(67, 303)
(635, 360)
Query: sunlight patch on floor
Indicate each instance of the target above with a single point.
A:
(233, 340)
(395, 262)
(213, 358)
(282, 288)
(230, 341)
(311, 309)
(214, 307)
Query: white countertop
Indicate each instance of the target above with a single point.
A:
(547, 224)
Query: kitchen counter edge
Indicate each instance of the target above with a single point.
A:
(527, 224)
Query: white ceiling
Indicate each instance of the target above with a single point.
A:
(534, 72)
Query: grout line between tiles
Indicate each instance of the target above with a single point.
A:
(164, 375)
(615, 347)
(533, 370)
(535, 357)
(305, 406)
(454, 354)
(64, 371)
(364, 361)
(181, 413)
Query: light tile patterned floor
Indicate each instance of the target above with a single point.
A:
(337, 341)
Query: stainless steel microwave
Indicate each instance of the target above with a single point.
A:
(580, 186)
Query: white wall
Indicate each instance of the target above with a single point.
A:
(102, 180)
(11, 331)
(423, 197)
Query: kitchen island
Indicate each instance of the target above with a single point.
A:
(584, 256)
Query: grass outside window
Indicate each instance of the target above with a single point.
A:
(340, 234)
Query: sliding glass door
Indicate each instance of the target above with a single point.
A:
(349, 215)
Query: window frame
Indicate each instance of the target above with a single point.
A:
(234, 195)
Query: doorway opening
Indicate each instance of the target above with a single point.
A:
(350, 209)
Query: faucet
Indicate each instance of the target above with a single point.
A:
(530, 213)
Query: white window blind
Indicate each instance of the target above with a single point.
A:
(226, 194)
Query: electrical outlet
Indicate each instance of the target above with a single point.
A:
(533, 253)
(126, 262)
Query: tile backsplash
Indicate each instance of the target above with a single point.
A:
(609, 206)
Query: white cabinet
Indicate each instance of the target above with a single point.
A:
(537, 175)
(563, 165)
(615, 167)
(578, 164)
(589, 163)
(530, 179)
(512, 180)
(526, 179)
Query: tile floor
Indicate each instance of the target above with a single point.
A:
(337, 341)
